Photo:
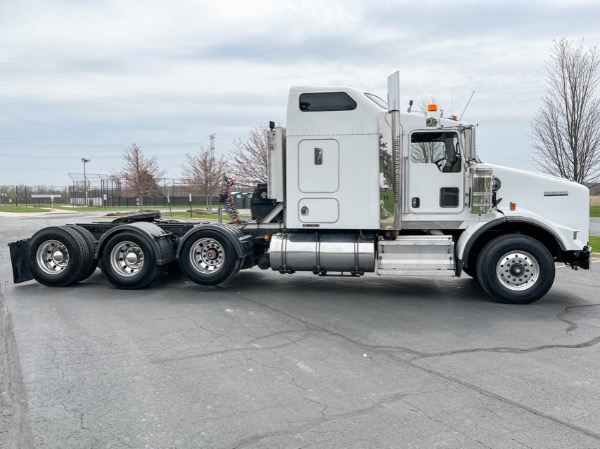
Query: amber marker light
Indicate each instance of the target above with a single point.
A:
(513, 206)
(432, 107)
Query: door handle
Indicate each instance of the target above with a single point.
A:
(318, 156)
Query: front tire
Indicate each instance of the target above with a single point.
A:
(208, 258)
(129, 262)
(515, 269)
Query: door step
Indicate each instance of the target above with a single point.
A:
(423, 255)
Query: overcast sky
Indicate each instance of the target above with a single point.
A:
(89, 78)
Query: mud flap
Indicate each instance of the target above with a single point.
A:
(18, 259)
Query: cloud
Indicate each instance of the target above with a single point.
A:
(100, 75)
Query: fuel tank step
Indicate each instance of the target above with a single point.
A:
(428, 255)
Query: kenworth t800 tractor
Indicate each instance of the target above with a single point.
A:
(355, 186)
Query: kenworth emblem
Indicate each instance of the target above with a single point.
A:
(431, 122)
(557, 193)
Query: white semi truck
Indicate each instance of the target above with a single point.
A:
(355, 186)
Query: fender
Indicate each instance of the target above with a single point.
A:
(161, 241)
(548, 227)
(242, 243)
(472, 233)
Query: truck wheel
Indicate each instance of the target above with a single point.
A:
(208, 258)
(129, 262)
(515, 269)
(90, 242)
(57, 256)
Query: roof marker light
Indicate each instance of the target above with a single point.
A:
(432, 107)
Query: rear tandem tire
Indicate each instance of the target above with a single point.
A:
(58, 256)
(208, 258)
(128, 261)
(515, 269)
(90, 241)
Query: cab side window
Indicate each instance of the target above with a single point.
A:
(326, 101)
(439, 148)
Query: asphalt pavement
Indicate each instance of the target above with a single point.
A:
(296, 361)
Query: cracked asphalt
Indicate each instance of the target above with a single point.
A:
(295, 361)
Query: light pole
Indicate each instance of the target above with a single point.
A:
(212, 145)
(85, 161)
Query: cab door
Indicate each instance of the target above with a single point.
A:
(435, 175)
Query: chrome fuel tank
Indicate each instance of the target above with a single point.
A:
(321, 253)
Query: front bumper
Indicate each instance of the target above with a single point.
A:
(578, 259)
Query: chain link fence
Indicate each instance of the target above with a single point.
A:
(109, 191)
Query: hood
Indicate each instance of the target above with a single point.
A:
(564, 203)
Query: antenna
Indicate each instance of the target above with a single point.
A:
(463, 112)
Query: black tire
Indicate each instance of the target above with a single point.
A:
(515, 269)
(57, 256)
(91, 242)
(128, 261)
(470, 271)
(208, 258)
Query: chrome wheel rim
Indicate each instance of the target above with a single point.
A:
(127, 259)
(52, 257)
(518, 270)
(207, 255)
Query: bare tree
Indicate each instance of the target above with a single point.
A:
(204, 173)
(566, 135)
(140, 173)
(426, 151)
(250, 158)
(6, 193)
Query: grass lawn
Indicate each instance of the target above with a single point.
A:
(595, 244)
(100, 208)
(95, 208)
(129, 208)
(20, 209)
(595, 210)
